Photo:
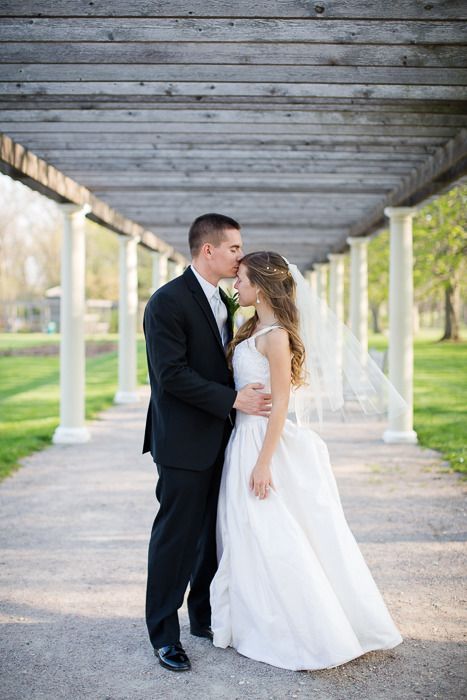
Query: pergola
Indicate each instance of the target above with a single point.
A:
(306, 121)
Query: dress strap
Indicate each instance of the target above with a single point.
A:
(263, 331)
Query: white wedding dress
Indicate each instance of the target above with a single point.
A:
(292, 588)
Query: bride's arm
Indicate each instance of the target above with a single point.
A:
(276, 349)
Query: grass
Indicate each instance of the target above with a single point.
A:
(440, 387)
(10, 341)
(29, 394)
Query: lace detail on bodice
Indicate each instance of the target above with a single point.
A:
(249, 365)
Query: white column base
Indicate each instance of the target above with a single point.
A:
(126, 397)
(70, 436)
(407, 437)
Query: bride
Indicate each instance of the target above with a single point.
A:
(292, 588)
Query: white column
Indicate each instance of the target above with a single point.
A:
(179, 268)
(322, 280)
(311, 277)
(336, 301)
(401, 322)
(127, 319)
(159, 270)
(72, 427)
(359, 289)
(336, 284)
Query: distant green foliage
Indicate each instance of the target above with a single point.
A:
(440, 243)
(378, 276)
(29, 396)
(440, 254)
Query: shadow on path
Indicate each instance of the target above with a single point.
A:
(74, 527)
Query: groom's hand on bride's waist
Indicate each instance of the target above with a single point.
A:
(252, 400)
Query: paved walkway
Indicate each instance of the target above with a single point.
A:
(73, 534)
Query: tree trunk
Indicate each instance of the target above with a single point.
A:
(452, 303)
(375, 318)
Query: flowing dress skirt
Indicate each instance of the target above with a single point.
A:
(292, 588)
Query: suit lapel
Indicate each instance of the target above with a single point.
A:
(201, 299)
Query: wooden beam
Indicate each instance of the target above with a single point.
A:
(279, 53)
(140, 29)
(233, 89)
(33, 78)
(448, 164)
(348, 9)
(265, 182)
(275, 171)
(272, 172)
(321, 150)
(256, 122)
(160, 218)
(316, 136)
(23, 165)
(71, 115)
(113, 106)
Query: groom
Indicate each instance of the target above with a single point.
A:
(190, 418)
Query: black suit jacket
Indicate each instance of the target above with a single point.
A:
(192, 390)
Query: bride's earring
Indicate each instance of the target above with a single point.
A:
(257, 297)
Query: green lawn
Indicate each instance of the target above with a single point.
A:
(29, 395)
(440, 388)
(10, 341)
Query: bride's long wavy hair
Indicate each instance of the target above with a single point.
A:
(270, 273)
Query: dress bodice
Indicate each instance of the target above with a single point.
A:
(249, 365)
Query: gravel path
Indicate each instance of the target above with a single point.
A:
(73, 535)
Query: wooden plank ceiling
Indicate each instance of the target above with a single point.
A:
(300, 119)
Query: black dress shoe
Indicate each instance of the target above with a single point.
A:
(205, 632)
(173, 657)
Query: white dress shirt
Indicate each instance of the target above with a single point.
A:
(217, 305)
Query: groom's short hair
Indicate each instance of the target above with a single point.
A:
(209, 228)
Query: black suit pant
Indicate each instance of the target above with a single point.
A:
(182, 548)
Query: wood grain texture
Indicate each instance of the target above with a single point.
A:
(262, 30)
(303, 119)
(289, 118)
(295, 9)
(126, 74)
(264, 125)
(234, 89)
(239, 54)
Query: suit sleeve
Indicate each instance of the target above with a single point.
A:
(166, 342)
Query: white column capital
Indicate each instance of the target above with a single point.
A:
(335, 257)
(70, 209)
(320, 265)
(125, 240)
(400, 212)
(360, 241)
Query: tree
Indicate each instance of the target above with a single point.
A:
(101, 263)
(30, 226)
(440, 250)
(378, 276)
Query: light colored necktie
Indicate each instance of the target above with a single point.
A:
(220, 314)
